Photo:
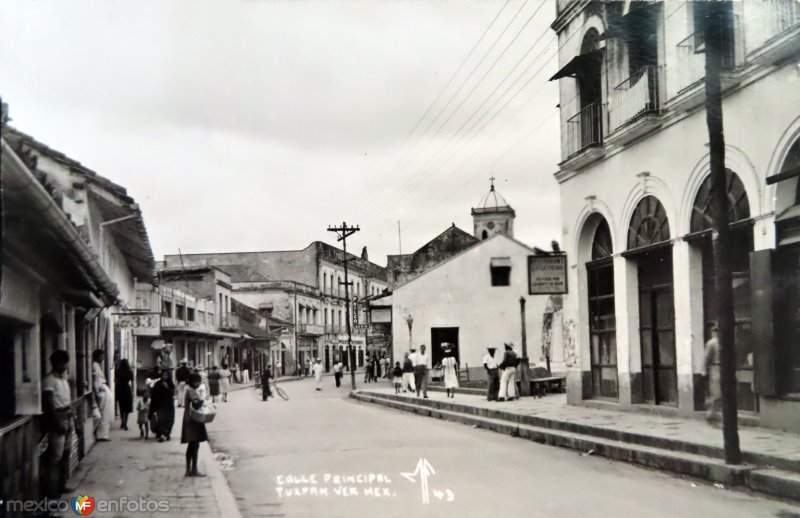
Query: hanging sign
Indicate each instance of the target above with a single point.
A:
(547, 274)
(142, 324)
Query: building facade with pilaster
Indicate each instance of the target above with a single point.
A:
(635, 193)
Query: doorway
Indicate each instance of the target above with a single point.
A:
(440, 335)
(657, 327)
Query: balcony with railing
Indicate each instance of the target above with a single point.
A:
(310, 329)
(584, 135)
(781, 31)
(690, 70)
(229, 322)
(635, 104)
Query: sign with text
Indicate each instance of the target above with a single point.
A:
(142, 324)
(547, 274)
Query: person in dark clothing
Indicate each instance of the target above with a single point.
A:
(123, 389)
(162, 406)
(193, 432)
(266, 374)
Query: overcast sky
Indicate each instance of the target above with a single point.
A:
(245, 125)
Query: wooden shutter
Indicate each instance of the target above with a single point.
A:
(765, 375)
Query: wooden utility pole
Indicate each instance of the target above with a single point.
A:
(344, 232)
(713, 37)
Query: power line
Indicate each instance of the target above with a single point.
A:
(444, 88)
(479, 82)
(472, 72)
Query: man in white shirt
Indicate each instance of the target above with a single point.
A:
(337, 373)
(57, 422)
(493, 381)
(421, 365)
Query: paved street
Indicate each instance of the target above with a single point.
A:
(279, 449)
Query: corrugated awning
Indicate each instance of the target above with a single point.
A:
(579, 64)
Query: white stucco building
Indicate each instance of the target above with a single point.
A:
(635, 185)
(472, 299)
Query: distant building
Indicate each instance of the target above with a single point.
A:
(302, 287)
(470, 300)
(453, 240)
(635, 190)
(493, 215)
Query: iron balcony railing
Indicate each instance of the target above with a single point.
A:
(310, 329)
(636, 96)
(585, 129)
(691, 60)
(229, 321)
(780, 16)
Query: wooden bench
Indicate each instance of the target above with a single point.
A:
(542, 382)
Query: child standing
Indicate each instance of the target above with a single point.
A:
(143, 409)
(397, 375)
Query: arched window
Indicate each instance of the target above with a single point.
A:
(739, 258)
(602, 315)
(601, 244)
(649, 224)
(484, 234)
(738, 204)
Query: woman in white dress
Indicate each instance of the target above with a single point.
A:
(450, 372)
(224, 382)
(103, 397)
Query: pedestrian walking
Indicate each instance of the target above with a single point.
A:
(278, 368)
(162, 407)
(142, 411)
(450, 372)
(397, 377)
(225, 382)
(384, 367)
(236, 373)
(337, 373)
(307, 368)
(57, 424)
(193, 432)
(368, 370)
(213, 383)
(246, 371)
(104, 399)
(493, 377)
(508, 376)
(318, 372)
(182, 374)
(408, 372)
(123, 390)
(421, 365)
(713, 378)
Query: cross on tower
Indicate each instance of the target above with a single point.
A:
(492, 179)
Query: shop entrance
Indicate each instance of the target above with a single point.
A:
(440, 335)
(657, 327)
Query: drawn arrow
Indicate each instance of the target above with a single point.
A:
(424, 470)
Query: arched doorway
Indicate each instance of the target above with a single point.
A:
(701, 223)
(787, 274)
(602, 315)
(649, 245)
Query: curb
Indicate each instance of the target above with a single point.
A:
(223, 495)
(763, 479)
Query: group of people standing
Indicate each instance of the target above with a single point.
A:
(376, 368)
(502, 375)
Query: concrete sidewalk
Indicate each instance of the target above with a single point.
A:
(686, 446)
(132, 468)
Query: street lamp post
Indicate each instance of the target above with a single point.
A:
(410, 322)
(525, 375)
